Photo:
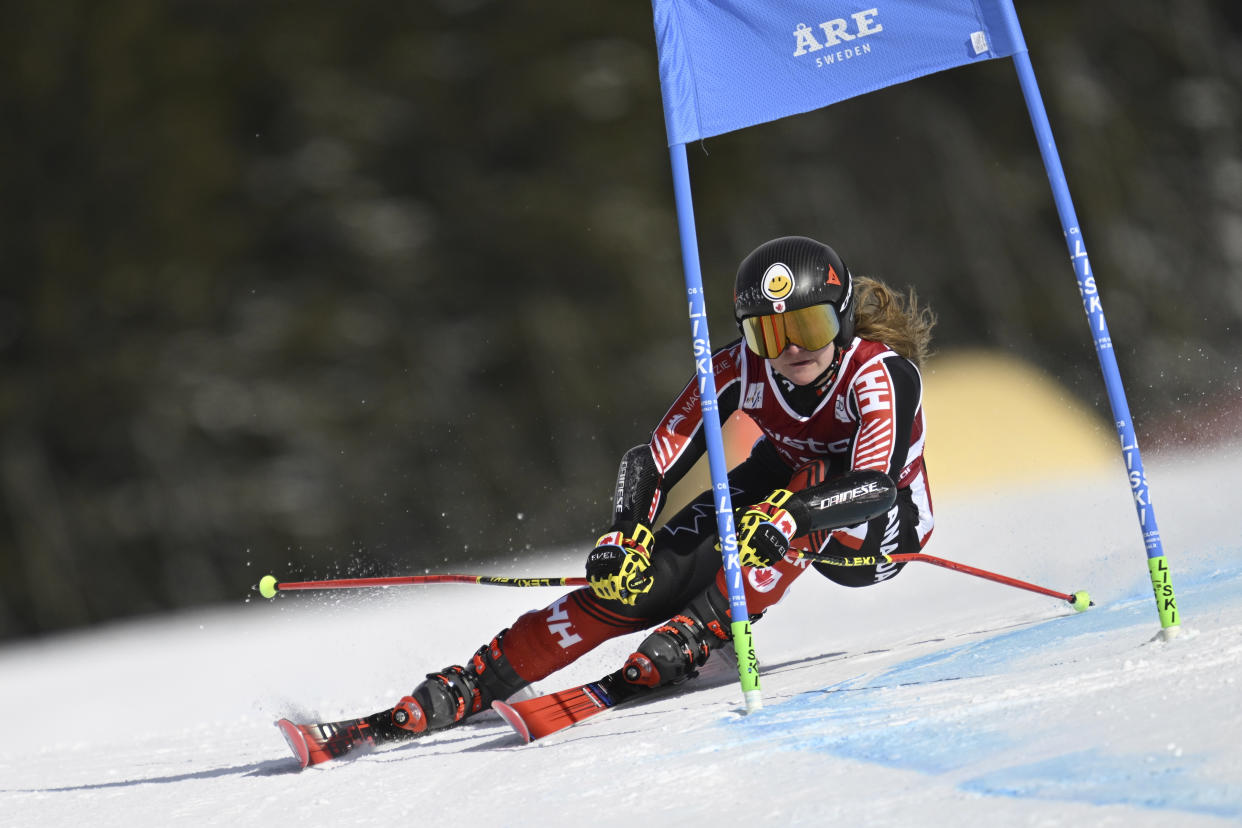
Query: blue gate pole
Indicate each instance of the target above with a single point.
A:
(1158, 568)
(743, 641)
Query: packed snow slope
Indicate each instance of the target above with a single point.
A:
(933, 699)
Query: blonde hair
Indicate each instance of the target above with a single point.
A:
(883, 315)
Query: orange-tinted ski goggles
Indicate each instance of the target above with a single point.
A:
(809, 328)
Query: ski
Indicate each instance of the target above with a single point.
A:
(320, 742)
(538, 717)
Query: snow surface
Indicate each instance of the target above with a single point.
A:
(936, 699)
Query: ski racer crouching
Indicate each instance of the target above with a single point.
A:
(828, 369)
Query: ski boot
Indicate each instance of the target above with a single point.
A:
(674, 651)
(456, 693)
(446, 698)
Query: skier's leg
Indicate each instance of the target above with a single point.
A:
(538, 644)
(676, 649)
(456, 692)
(543, 641)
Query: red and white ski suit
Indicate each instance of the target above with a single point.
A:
(868, 415)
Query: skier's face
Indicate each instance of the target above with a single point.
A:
(801, 366)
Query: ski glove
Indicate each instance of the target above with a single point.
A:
(617, 568)
(765, 531)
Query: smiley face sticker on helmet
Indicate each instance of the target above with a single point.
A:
(776, 285)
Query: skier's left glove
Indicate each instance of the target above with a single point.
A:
(618, 567)
(765, 531)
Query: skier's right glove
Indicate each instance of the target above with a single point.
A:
(617, 568)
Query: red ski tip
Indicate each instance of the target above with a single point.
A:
(297, 741)
(513, 718)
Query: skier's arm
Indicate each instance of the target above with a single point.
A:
(766, 529)
(886, 396)
(678, 440)
(634, 498)
(617, 567)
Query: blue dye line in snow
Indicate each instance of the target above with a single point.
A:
(862, 724)
(1001, 653)
(1097, 778)
(1202, 592)
(859, 719)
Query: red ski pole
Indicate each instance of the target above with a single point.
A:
(1078, 600)
(269, 586)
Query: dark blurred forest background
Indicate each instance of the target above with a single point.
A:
(319, 288)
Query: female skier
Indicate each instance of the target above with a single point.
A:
(827, 367)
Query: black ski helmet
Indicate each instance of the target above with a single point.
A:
(791, 273)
